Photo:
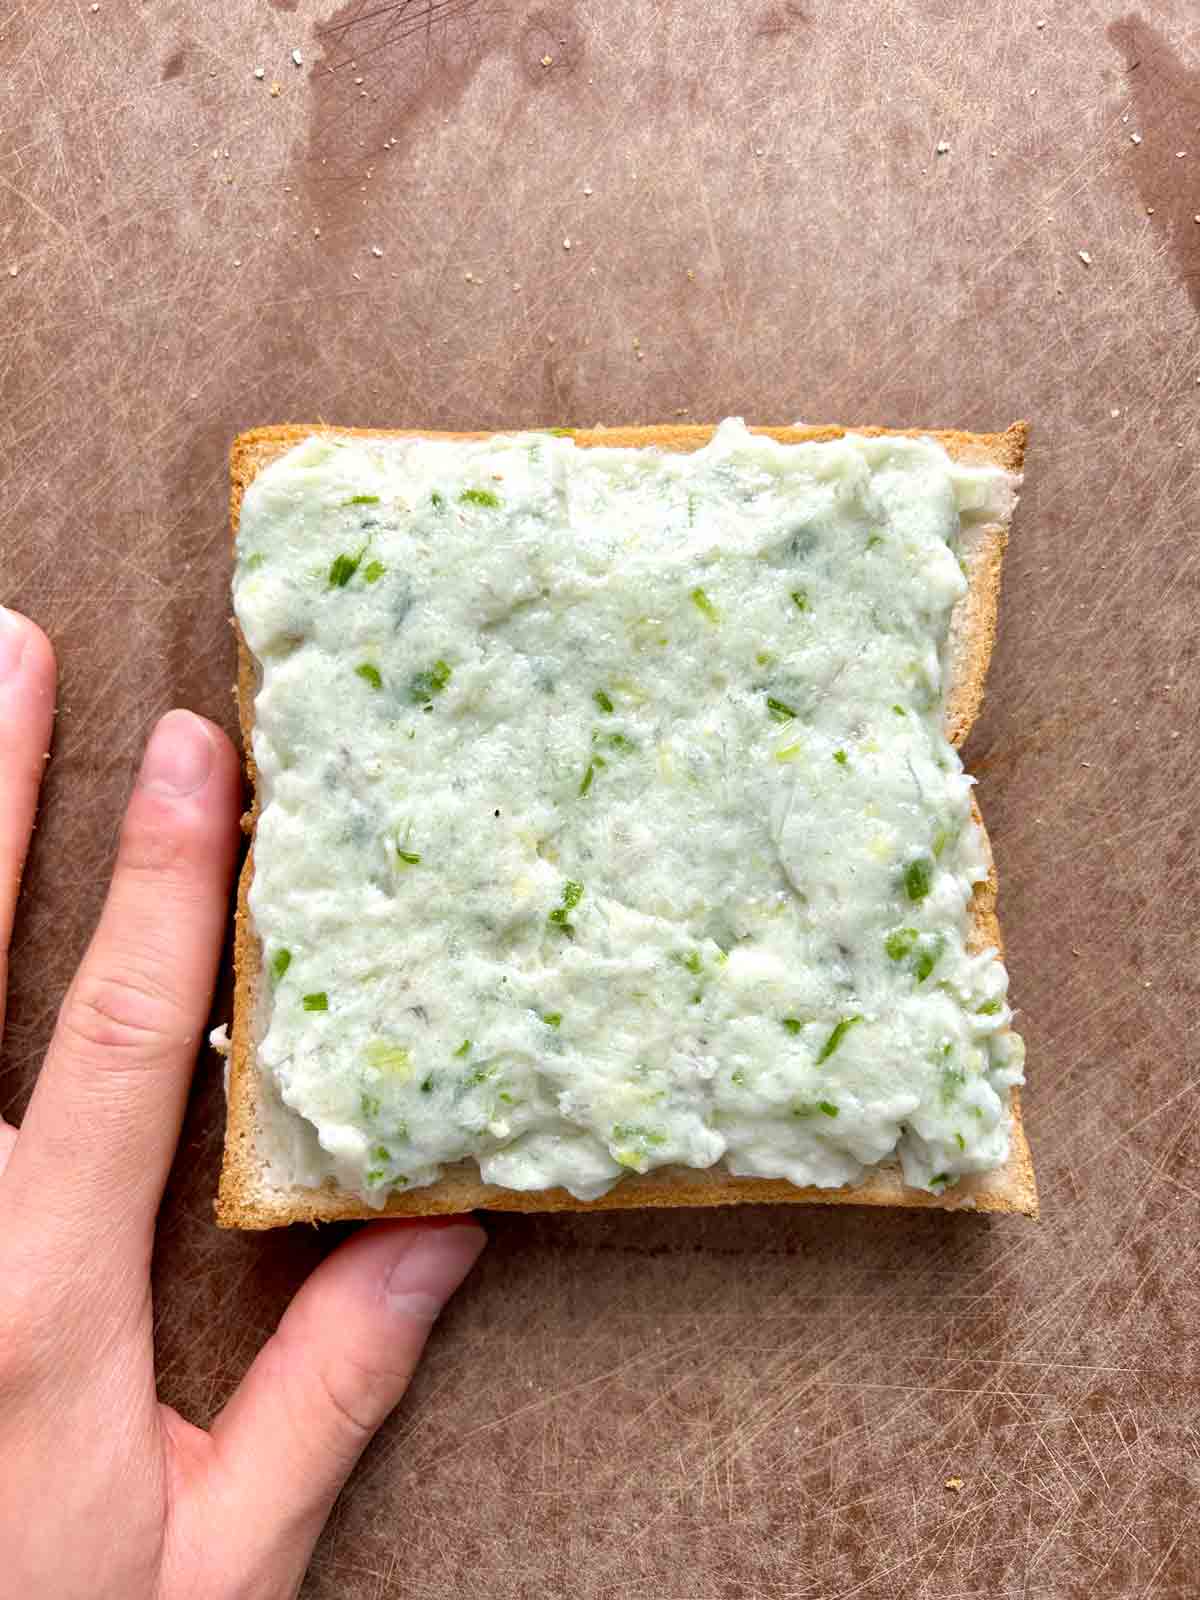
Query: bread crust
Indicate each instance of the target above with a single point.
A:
(246, 1200)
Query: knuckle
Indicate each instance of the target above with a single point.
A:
(124, 1013)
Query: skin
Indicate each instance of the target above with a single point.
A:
(155, 1508)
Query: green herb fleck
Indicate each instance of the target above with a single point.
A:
(282, 961)
(939, 1177)
(586, 781)
(900, 711)
(362, 500)
(840, 757)
(738, 1076)
(369, 674)
(561, 433)
(624, 1132)
(316, 1002)
(343, 568)
(989, 1008)
(427, 1084)
(603, 700)
(692, 502)
(552, 1019)
(929, 953)
(252, 563)
(410, 858)
(704, 605)
(900, 942)
(370, 1105)
(800, 599)
(953, 1079)
(876, 538)
(836, 1037)
(479, 497)
(382, 1153)
(373, 571)
(827, 1108)
(385, 1056)
(918, 878)
(481, 1074)
(940, 840)
(779, 709)
(464, 1048)
(424, 685)
(692, 961)
(960, 1141)
(793, 1024)
(437, 500)
(614, 741)
(572, 893)
(375, 1177)
(559, 919)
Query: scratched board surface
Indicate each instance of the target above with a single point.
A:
(468, 214)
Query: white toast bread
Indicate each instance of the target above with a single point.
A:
(248, 1198)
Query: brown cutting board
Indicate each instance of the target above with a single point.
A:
(461, 214)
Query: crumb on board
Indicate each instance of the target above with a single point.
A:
(276, 90)
(955, 1485)
(547, 61)
(1085, 256)
(1135, 138)
(260, 73)
(297, 59)
(943, 149)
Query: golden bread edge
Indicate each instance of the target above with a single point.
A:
(246, 1201)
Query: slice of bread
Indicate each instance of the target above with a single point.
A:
(249, 1199)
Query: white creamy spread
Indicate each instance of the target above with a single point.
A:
(608, 821)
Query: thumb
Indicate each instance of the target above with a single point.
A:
(339, 1361)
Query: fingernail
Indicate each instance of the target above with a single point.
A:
(179, 756)
(13, 635)
(430, 1265)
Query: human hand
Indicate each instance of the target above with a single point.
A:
(106, 1493)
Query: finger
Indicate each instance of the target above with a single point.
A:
(97, 1139)
(26, 717)
(339, 1361)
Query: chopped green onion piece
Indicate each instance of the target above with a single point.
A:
(561, 433)
(558, 917)
(374, 571)
(572, 893)
(836, 1037)
(623, 1131)
(928, 956)
(918, 878)
(738, 1076)
(424, 685)
(375, 1177)
(382, 1153)
(603, 700)
(800, 599)
(362, 500)
(586, 782)
(793, 1024)
(369, 674)
(989, 1008)
(827, 1108)
(343, 568)
(427, 1084)
(479, 497)
(779, 709)
(692, 961)
(409, 857)
(940, 1177)
(316, 1002)
(464, 1048)
(388, 1057)
(840, 757)
(370, 1105)
(437, 500)
(252, 563)
(552, 1019)
(704, 605)
(876, 538)
(960, 1141)
(281, 962)
(940, 840)
(900, 711)
(789, 752)
(899, 942)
